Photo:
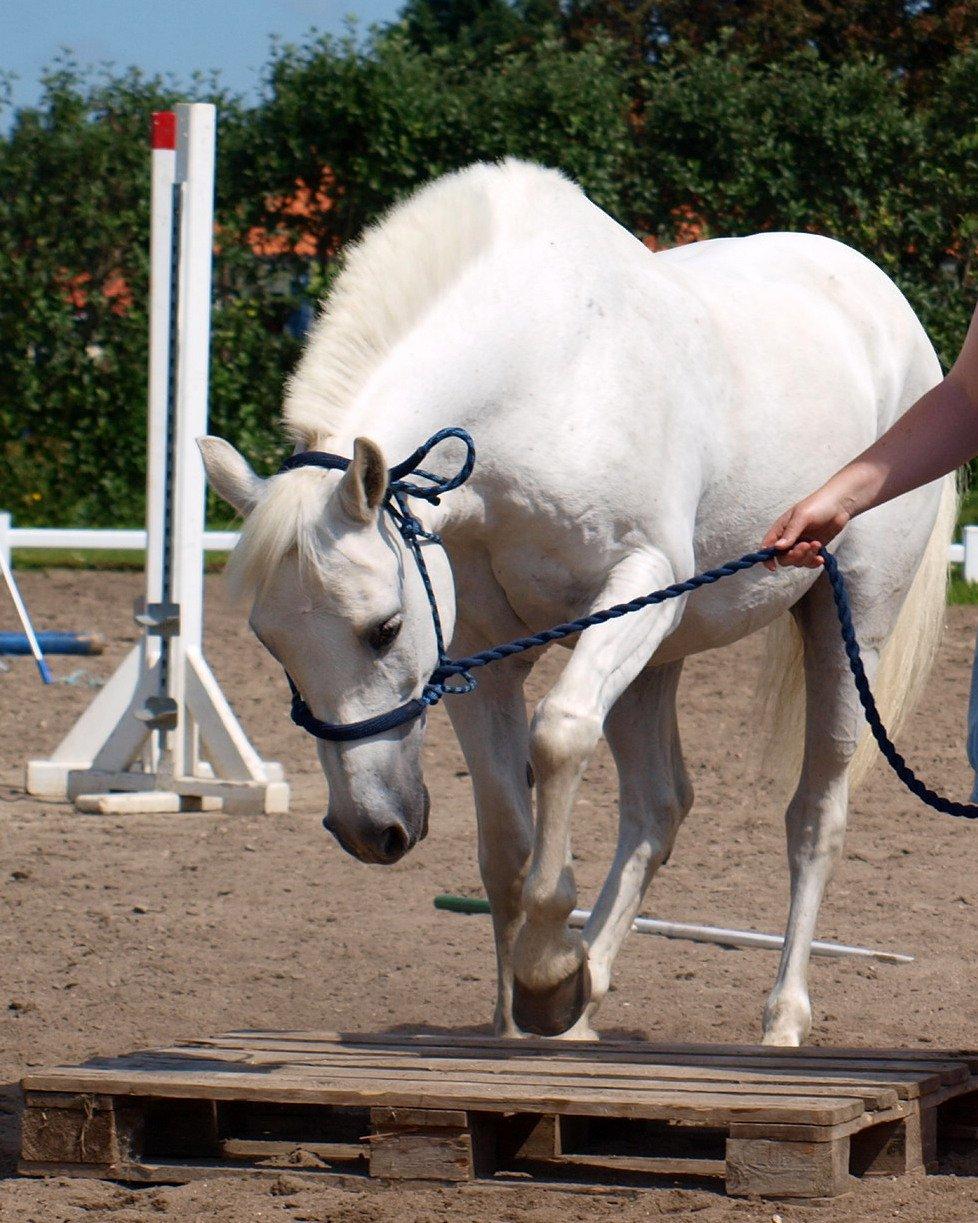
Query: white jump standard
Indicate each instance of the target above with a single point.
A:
(161, 736)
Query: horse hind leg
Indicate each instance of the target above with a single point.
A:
(898, 556)
(815, 820)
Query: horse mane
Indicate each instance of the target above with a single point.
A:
(392, 276)
(397, 270)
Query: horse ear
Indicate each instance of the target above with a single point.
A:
(364, 484)
(229, 474)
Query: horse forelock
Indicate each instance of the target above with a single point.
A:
(394, 274)
(288, 518)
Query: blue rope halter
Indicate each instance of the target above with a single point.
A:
(447, 669)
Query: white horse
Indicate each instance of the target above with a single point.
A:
(638, 417)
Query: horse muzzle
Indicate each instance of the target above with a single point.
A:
(382, 840)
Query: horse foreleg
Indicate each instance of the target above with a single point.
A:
(552, 983)
(491, 726)
(815, 821)
(655, 796)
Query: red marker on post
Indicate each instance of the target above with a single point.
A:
(164, 131)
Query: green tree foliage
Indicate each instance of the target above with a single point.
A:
(72, 355)
(686, 139)
(913, 37)
(792, 145)
(946, 277)
(74, 233)
(477, 24)
(799, 144)
(730, 147)
(368, 123)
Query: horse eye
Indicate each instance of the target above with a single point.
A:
(381, 635)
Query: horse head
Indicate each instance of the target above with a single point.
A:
(337, 600)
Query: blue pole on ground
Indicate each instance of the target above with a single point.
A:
(53, 643)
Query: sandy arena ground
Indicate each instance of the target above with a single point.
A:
(123, 933)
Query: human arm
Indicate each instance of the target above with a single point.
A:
(936, 435)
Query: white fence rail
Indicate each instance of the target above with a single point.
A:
(96, 539)
(92, 539)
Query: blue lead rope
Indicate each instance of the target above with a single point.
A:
(459, 669)
(570, 627)
(966, 811)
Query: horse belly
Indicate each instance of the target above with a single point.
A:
(737, 606)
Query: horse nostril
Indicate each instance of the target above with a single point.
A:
(393, 843)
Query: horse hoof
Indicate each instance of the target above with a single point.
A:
(549, 1012)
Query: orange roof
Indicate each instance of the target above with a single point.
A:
(688, 226)
(114, 287)
(304, 203)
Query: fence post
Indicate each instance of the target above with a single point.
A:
(6, 522)
(971, 554)
(164, 687)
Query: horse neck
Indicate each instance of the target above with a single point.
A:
(451, 370)
(492, 356)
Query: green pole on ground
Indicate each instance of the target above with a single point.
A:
(462, 904)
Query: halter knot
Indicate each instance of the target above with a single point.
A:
(437, 485)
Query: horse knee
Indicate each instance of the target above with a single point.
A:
(653, 824)
(561, 739)
(816, 829)
(503, 871)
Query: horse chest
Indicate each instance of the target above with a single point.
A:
(540, 587)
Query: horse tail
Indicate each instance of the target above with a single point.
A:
(780, 700)
(905, 662)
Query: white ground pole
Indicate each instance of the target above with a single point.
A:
(160, 736)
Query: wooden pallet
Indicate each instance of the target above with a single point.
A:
(782, 1123)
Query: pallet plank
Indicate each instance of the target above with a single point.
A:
(268, 1148)
(815, 1133)
(650, 1165)
(292, 1088)
(674, 1078)
(908, 1084)
(927, 1070)
(414, 1040)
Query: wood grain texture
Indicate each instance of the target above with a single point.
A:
(436, 1155)
(765, 1168)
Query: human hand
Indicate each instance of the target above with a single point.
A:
(806, 528)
